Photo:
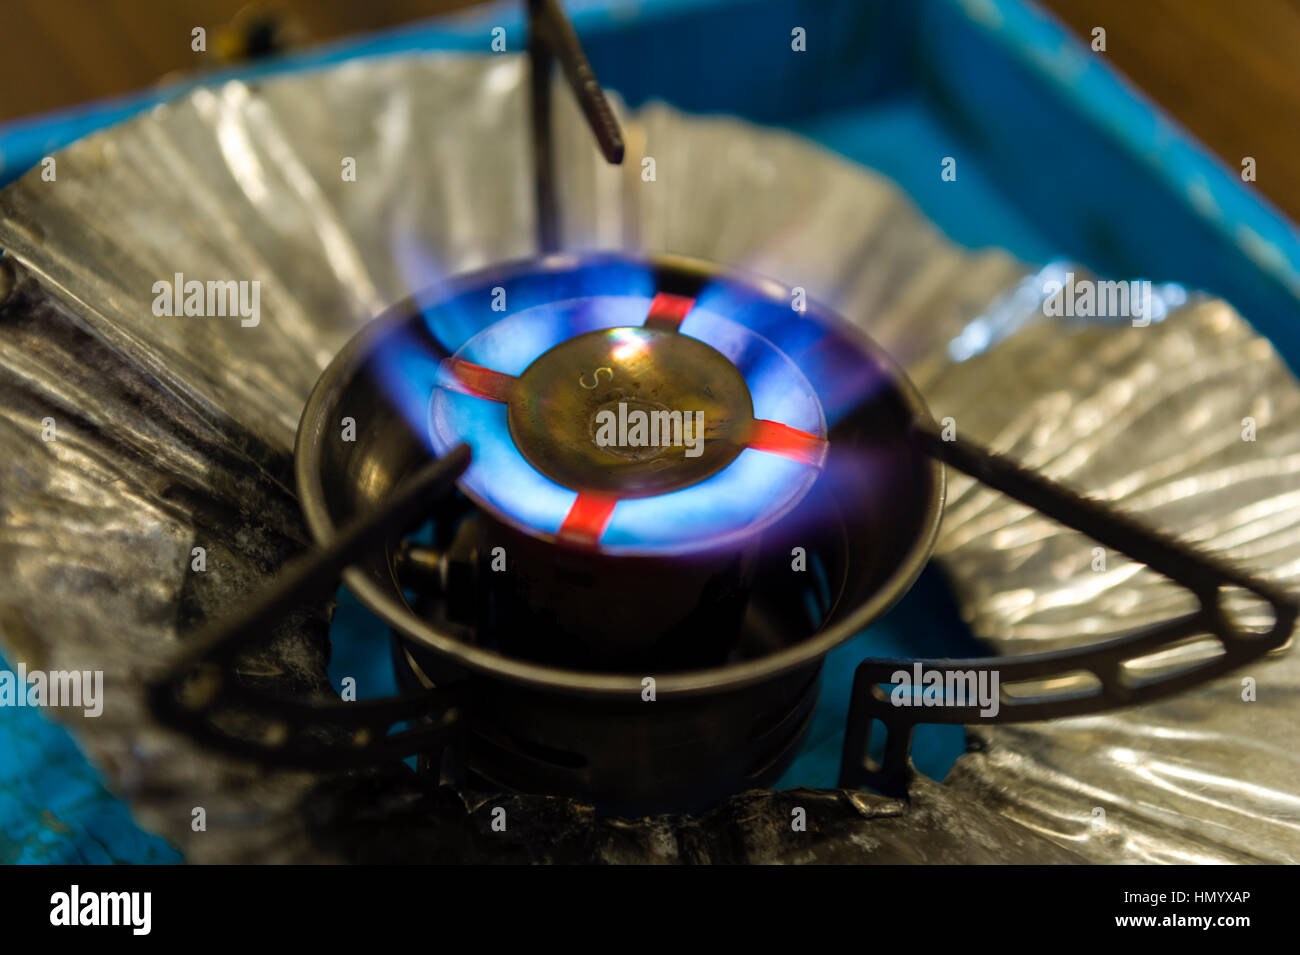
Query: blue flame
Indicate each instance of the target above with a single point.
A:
(779, 390)
(406, 362)
(822, 355)
(801, 372)
(515, 342)
(755, 488)
(499, 476)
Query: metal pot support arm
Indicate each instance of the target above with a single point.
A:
(200, 694)
(1087, 679)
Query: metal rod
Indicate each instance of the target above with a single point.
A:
(548, 214)
(298, 733)
(1199, 572)
(219, 640)
(556, 30)
(551, 37)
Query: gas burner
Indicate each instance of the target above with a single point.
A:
(631, 424)
(645, 631)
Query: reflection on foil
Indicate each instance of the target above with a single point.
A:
(1027, 302)
(182, 431)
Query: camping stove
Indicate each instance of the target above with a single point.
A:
(617, 510)
(643, 628)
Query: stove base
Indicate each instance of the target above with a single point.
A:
(690, 753)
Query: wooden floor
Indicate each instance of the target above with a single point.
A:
(58, 52)
(1228, 69)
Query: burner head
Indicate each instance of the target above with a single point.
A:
(631, 412)
(633, 421)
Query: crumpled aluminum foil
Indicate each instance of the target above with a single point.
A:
(1151, 419)
(177, 431)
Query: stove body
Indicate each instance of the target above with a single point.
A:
(642, 676)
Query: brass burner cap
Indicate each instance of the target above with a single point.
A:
(632, 412)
